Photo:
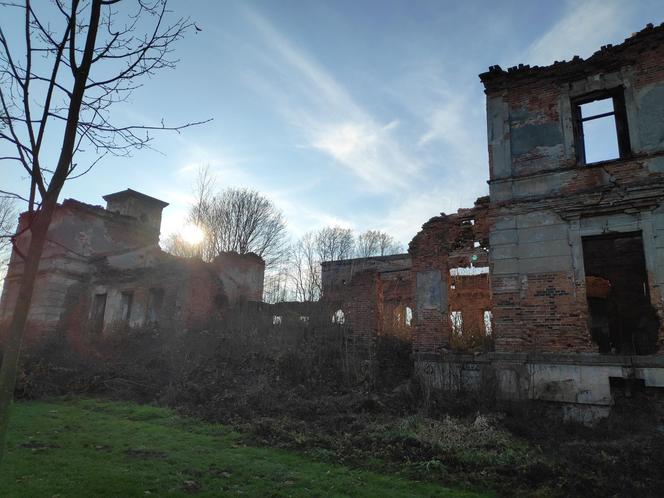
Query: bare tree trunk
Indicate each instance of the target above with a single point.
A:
(39, 227)
(140, 56)
(12, 349)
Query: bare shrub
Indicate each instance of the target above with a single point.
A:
(243, 365)
(471, 336)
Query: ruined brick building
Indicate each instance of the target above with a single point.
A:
(372, 296)
(574, 228)
(557, 275)
(103, 268)
(553, 282)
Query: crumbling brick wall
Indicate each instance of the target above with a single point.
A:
(373, 294)
(445, 244)
(545, 198)
(397, 304)
(362, 310)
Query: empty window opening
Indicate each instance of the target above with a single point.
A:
(488, 322)
(155, 302)
(399, 316)
(601, 127)
(409, 316)
(338, 317)
(98, 312)
(621, 318)
(457, 323)
(126, 302)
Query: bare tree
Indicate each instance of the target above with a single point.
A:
(334, 243)
(176, 245)
(7, 229)
(276, 287)
(305, 269)
(376, 243)
(7, 221)
(204, 191)
(243, 220)
(326, 244)
(240, 220)
(58, 83)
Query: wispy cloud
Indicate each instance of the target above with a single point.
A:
(326, 116)
(230, 170)
(423, 170)
(584, 27)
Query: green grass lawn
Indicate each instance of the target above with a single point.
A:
(98, 448)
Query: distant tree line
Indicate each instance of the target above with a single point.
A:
(243, 220)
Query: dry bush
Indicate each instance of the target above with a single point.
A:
(243, 365)
(471, 339)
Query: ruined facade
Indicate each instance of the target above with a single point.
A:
(574, 222)
(451, 279)
(560, 215)
(371, 296)
(102, 269)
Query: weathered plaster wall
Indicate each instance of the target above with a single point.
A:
(579, 382)
(145, 209)
(242, 276)
(77, 233)
(93, 252)
(530, 122)
(543, 202)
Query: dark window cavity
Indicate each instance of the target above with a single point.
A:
(155, 302)
(126, 302)
(622, 319)
(98, 311)
(600, 127)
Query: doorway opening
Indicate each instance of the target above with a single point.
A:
(621, 318)
(98, 311)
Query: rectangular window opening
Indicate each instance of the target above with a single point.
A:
(488, 325)
(155, 301)
(600, 127)
(127, 299)
(457, 323)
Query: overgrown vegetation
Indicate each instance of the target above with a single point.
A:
(306, 386)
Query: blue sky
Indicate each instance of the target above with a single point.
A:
(364, 114)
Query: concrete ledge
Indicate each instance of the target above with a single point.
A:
(582, 381)
(646, 361)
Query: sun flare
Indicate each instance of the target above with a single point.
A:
(192, 234)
